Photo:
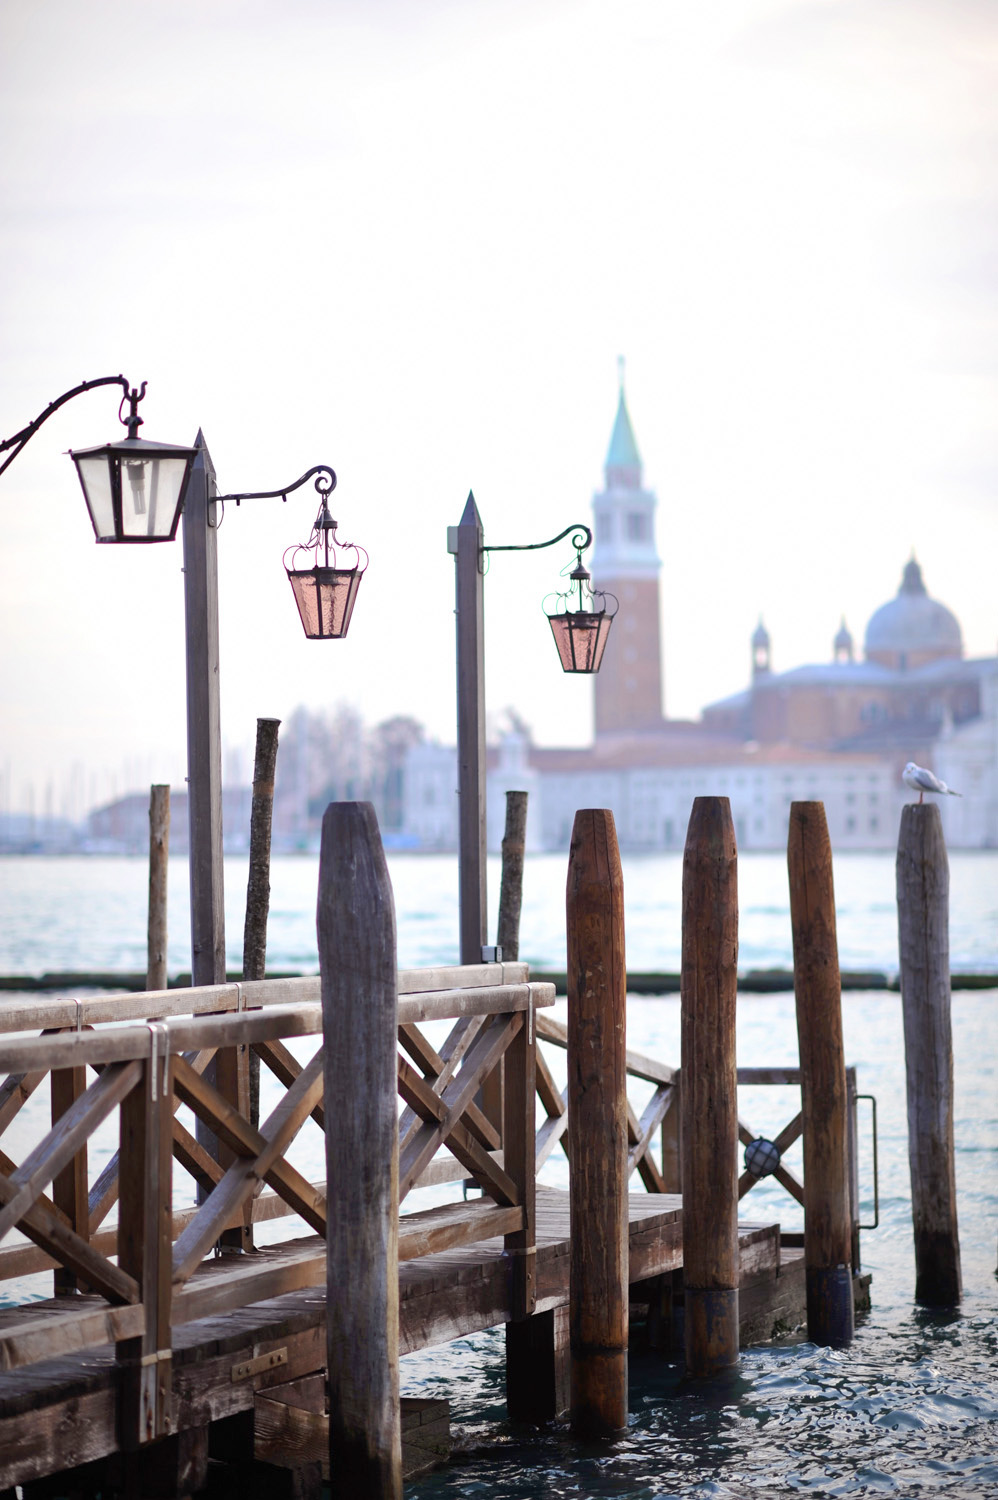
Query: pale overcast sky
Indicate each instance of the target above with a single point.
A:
(410, 240)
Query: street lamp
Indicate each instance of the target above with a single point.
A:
(135, 491)
(147, 506)
(580, 636)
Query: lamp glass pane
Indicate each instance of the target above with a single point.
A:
(581, 639)
(95, 477)
(325, 599)
(150, 490)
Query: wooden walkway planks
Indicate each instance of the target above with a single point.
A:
(220, 1361)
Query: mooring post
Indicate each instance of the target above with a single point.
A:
(258, 879)
(709, 1088)
(597, 1110)
(159, 852)
(827, 1216)
(357, 960)
(514, 843)
(923, 940)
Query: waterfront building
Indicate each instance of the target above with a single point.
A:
(838, 731)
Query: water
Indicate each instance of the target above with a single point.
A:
(60, 914)
(911, 1409)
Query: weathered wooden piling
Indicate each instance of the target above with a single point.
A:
(514, 843)
(258, 879)
(356, 931)
(827, 1216)
(159, 852)
(923, 939)
(709, 1088)
(597, 1109)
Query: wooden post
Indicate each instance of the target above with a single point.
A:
(356, 931)
(709, 1088)
(204, 736)
(204, 767)
(258, 881)
(531, 1358)
(145, 1224)
(70, 1186)
(597, 1110)
(672, 1151)
(511, 889)
(923, 933)
(159, 851)
(827, 1216)
(465, 542)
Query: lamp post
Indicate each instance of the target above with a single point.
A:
(136, 491)
(580, 636)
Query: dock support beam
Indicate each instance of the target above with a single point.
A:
(597, 1109)
(709, 1088)
(923, 934)
(356, 931)
(827, 1217)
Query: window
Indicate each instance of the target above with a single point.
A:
(638, 526)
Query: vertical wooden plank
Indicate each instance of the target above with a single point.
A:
(69, 1187)
(514, 845)
(519, 1132)
(672, 1158)
(817, 986)
(923, 932)
(537, 1367)
(357, 959)
(597, 1111)
(853, 1149)
(145, 1221)
(709, 1088)
(466, 541)
(523, 1390)
(159, 852)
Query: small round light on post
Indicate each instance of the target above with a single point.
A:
(581, 634)
(327, 591)
(134, 489)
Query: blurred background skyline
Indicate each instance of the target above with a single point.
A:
(411, 240)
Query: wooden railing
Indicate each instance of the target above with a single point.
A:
(149, 1053)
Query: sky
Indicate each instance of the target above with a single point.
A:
(411, 239)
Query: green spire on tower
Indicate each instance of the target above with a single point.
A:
(623, 451)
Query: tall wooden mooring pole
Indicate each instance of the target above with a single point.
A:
(597, 1109)
(710, 1088)
(923, 941)
(817, 985)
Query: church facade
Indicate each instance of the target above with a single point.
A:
(838, 731)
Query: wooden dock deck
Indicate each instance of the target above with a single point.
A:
(61, 1412)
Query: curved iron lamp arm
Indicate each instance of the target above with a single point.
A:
(323, 489)
(578, 531)
(19, 439)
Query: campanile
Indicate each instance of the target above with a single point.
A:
(628, 686)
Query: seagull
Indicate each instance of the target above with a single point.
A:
(921, 781)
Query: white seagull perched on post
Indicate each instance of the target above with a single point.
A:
(921, 781)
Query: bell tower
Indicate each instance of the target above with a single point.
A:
(628, 687)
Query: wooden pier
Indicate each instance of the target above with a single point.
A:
(176, 1356)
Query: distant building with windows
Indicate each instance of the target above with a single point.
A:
(838, 731)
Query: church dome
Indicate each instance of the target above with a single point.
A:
(912, 629)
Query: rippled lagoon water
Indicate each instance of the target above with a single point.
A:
(911, 1409)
